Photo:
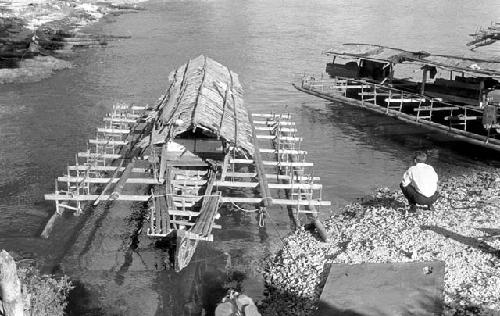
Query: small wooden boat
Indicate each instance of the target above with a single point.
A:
(485, 37)
(189, 151)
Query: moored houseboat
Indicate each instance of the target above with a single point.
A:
(456, 96)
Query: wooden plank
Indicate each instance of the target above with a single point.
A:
(443, 108)
(273, 163)
(241, 161)
(371, 93)
(179, 222)
(123, 179)
(225, 165)
(271, 128)
(108, 142)
(204, 222)
(208, 207)
(285, 138)
(163, 162)
(162, 225)
(273, 122)
(259, 167)
(461, 118)
(275, 201)
(119, 120)
(183, 213)
(96, 155)
(342, 87)
(169, 201)
(302, 186)
(120, 107)
(179, 173)
(187, 234)
(212, 209)
(283, 151)
(187, 163)
(93, 197)
(404, 100)
(181, 204)
(108, 185)
(105, 168)
(106, 180)
(181, 198)
(189, 182)
(238, 184)
(270, 176)
(158, 208)
(272, 115)
(234, 184)
(241, 175)
(113, 130)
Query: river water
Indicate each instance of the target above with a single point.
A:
(43, 124)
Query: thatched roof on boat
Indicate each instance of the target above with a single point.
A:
(205, 95)
(474, 66)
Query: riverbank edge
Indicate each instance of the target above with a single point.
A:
(295, 275)
(39, 38)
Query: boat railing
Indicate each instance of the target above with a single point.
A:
(393, 99)
(480, 122)
(344, 84)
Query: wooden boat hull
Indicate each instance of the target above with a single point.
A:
(412, 119)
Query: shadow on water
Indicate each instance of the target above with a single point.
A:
(80, 302)
(200, 286)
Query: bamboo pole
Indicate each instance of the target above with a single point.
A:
(314, 213)
(267, 199)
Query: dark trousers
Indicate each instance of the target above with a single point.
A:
(414, 197)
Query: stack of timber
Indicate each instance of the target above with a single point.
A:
(189, 149)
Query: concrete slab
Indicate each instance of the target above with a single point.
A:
(387, 289)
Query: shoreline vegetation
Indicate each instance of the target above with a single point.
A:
(463, 232)
(38, 38)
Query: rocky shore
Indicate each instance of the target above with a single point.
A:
(463, 231)
(37, 38)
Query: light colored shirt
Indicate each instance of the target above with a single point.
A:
(422, 177)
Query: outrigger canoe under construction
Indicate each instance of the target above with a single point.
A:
(197, 143)
(463, 105)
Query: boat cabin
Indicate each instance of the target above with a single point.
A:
(457, 79)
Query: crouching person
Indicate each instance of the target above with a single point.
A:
(419, 183)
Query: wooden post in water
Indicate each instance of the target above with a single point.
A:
(10, 286)
(424, 79)
(314, 214)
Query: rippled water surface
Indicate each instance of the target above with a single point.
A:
(43, 124)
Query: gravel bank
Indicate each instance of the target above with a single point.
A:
(463, 232)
